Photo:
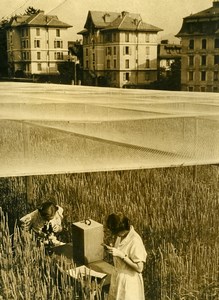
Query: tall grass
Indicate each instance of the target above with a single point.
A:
(175, 210)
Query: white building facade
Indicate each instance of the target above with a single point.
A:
(200, 51)
(36, 43)
(119, 50)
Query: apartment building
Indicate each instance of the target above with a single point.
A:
(119, 49)
(36, 43)
(168, 53)
(200, 50)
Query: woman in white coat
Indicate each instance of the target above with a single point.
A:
(129, 256)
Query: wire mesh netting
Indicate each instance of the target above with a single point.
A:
(46, 129)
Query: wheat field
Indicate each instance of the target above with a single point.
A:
(175, 210)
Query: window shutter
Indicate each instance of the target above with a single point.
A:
(130, 50)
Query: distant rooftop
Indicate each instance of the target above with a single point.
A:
(38, 19)
(117, 21)
(201, 22)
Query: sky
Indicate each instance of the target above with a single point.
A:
(165, 14)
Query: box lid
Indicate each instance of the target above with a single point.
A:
(87, 224)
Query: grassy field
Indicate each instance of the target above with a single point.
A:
(175, 210)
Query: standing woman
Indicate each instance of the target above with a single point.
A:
(129, 256)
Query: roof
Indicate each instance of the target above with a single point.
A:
(207, 15)
(51, 129)
(101, 19)
(131, 23)
(39, 19)
(117, 21)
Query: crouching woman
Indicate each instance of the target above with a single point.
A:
(46, 222)
(129, 256)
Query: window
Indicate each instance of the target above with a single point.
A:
(114, 50)
(203, 60)
(127, 50)
(191, 60)
(147, 50)
(108, 63)
(93, 56)
(38, 55)
(127, 63)
(39, 67)
(147, 76)
(108, 37)
(202, 89)
(24, 55)
(147, 63)
(204, 44)
(216, 43)
(215, 89)
(191, 44)
(58, 55)
(58, 44)
(85, 39)
(114, 63)
(215, 75)
(216, 59)
(126, 37)
(147, 37)
(87, 64)
(114, 37)
(27, 67)
(203, 76)
(191, 88)
(108, 51)
(126, 76)
(86, 51)
(24, 44)
(58, 32)
(37, 43)
(24, 32)
(191, 76)
(38, 31)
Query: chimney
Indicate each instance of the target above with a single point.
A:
(216, 3)
(124, 13)
(106, 18)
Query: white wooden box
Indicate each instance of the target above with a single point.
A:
(87, 239)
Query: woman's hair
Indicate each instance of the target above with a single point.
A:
(117, 222)
(48, 210)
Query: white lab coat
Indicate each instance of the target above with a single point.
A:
(34, 220)
(126, 283)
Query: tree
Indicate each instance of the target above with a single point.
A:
(169, 81)
(66, 71)
(31, 10)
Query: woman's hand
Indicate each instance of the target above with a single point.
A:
(116, 252)
(57, 228)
